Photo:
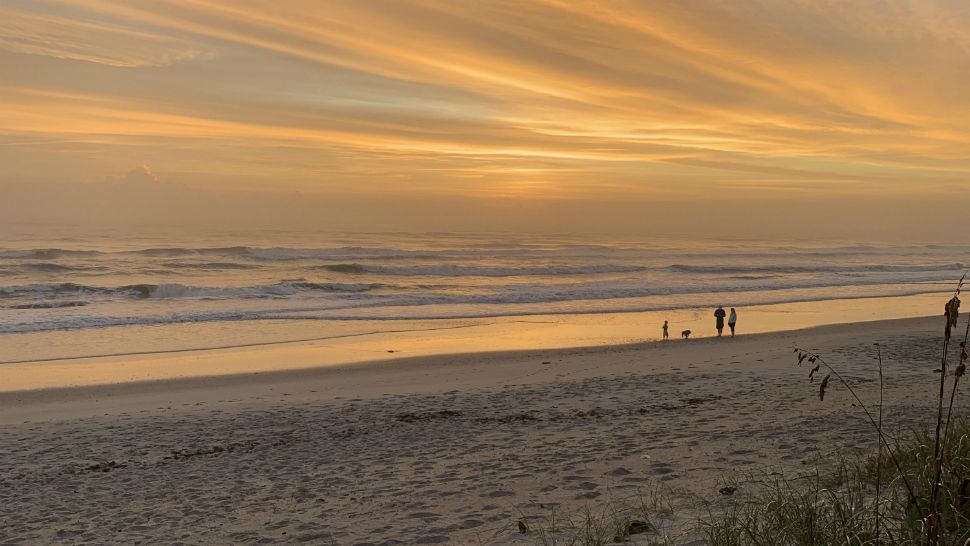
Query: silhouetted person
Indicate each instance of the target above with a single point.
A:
(719, 315)
(665, 329)
(732, 320)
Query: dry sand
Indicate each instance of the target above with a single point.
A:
(442, 449)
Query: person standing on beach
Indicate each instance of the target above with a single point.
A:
(719, 315)
(732, 320)
(665, 330)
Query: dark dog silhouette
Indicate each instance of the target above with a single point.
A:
(685, 334)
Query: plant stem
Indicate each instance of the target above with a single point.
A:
(872, 420)
(879, 452)
(932, 519)
(956, 381)
(933, 516)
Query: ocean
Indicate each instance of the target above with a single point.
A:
(77, 283)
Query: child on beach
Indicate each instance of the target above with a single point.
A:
(665, 329)
(733, 320)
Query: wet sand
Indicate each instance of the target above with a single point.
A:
(452, 449)
(131, 354)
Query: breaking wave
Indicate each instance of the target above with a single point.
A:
(448, 270)
(377, 312)
(789, 269)
(435, 278)
(176, 290)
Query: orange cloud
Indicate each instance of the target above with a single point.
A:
(573, 97)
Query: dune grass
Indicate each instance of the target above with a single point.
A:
(614, 522)
(915, 492)
(910, 491)
(841, 506)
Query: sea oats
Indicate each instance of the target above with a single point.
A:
(821, 388)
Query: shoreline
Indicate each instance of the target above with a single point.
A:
(372, 379)
(51, 360)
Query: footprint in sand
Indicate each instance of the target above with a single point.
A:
(424, 515)
(434, 539)
(498, 493)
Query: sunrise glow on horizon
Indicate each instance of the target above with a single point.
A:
(554, 100)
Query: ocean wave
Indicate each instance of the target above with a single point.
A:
(244, 252)
(78, 322)
(280, 289)
(626, 289)
(47, 267)
(213, 266)
(355, 269)
(271, 254)
(46, 254)
(513, 292)
(177, 290)
(345, 252)
(187, 284)
(237, 251)
(795, 269)
(727, 251)
(450, 270)
(15, 254)
(49, 289)
(439, 312)
(49, 305)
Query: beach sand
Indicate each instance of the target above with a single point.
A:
(454, 449)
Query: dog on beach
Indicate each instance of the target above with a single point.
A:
(685, 334)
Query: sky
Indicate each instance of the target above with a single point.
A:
(626, 116)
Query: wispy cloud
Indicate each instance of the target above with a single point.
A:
(92, 41)
(570, 97)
